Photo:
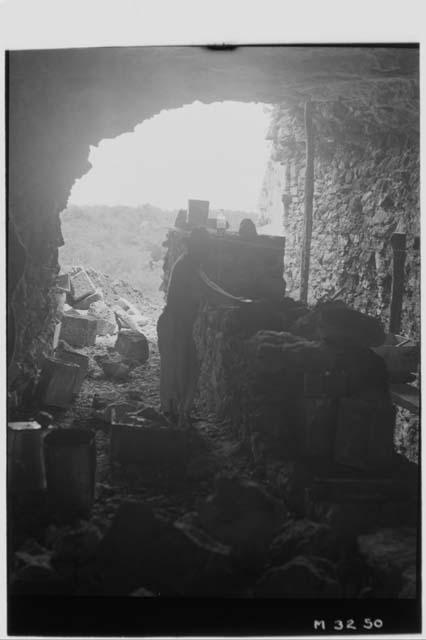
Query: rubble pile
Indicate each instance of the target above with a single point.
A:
(312, 397)
(176, 513)
(269, 381)
(308, 391)
(143, 549)
(83, 317)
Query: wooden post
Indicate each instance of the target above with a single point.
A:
(398, 243)
(309, 197)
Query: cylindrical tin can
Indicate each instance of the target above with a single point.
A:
(70, 457)
(25, 460)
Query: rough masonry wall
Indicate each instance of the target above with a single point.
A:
(365, 189)
(247, 268)
(62, 101)
(258, 405)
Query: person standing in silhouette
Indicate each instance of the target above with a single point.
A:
(188, 287)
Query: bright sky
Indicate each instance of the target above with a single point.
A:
(214, 152)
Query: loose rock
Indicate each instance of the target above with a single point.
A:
(299, 537)
(302, 577)
(143, 548)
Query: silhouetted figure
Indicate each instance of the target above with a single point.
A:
(247, 229)
(181, 219)
(188, 286)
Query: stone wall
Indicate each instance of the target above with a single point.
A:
(366, 187)
(259, 406)
(251, 269)
(62, 101)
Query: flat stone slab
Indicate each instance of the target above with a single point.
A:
(85, 302)
(81, 286)
(406, 396)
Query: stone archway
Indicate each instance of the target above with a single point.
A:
(62, 101)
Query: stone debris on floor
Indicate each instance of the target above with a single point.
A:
(205, 512)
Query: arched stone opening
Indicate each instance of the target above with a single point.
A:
(60, 102)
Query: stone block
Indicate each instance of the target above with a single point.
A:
(81, 286)
(129, 316)
(74, 357)
(63, 282)
(198, 212)
(303, 536)
(57, 383)
(243, 268)
(127, 320)
(128, 307)
(85, 302)
(302, 577)
(78, 330)
(132, 345)
(168, 559)
(105, 318)
(116, 411)
(113, 367)
(60, 300)
(155, 447)
(70, 456)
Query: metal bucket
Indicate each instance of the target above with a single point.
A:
(25, 462)
(70, 456)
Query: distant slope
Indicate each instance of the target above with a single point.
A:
(118, 241)
(123, 242)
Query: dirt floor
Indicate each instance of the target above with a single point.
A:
(213, 448)
(236, 537)
(35, 539)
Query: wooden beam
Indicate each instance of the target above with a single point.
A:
(398, 243)
(309, 198)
